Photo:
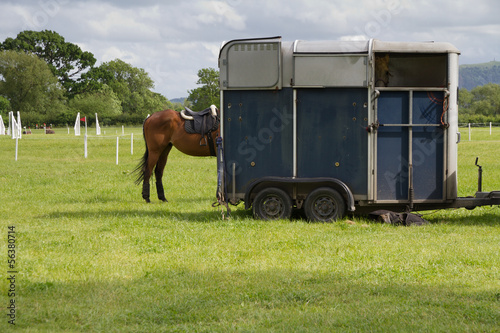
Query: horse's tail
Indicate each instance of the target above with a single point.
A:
(141, 167)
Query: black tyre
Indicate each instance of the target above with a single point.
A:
(324, 204)
(272, 204)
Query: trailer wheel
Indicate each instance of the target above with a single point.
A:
(272, 204)
(324, 204)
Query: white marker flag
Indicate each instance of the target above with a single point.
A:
(15, 126)
(19, 127)
(77, 124)
(2, 126)
(97, 127)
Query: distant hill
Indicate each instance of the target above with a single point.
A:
(178, 100)
(479, 74)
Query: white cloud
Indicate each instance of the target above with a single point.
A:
(220, 13)
(173, 39)
(353, 38)
(117, 25)
(113, 52)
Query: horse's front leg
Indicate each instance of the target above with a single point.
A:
(160, 191)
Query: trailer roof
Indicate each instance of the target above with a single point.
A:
(329, 46)
(414, 47)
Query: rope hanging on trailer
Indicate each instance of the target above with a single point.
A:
(445, 108)
(221, 184)
(443, 102)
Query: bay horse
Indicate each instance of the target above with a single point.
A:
(162, 131)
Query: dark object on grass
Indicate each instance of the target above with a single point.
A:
(390, 217)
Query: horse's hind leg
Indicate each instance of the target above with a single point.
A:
(148, 168)
(160, 167)
(146, 190)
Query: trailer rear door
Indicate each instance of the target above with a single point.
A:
(410, 145)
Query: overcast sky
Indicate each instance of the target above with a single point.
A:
(172, 40)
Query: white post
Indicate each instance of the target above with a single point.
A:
(131, 143)
(490, 127)
(117, 140)
(85, 145)
(17, 146)
(68, 129)
(123, 130)
(469, 132)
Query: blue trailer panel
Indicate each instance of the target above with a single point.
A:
(428, 145)
(259, 123)
(332, 140)
(392, 147)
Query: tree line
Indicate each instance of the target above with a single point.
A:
(479, 105)
(50, 80)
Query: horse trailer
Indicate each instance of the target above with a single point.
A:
(337, 126)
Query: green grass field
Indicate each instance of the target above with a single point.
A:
(91, 256)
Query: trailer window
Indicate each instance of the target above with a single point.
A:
(416, 70)
(252, 65)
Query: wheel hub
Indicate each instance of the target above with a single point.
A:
(272, 207)
(324, 206)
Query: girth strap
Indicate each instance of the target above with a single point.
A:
(211, 144)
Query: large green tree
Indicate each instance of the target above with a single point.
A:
(93, 80)
(66, 60)
(103, 102)
(30, 87)
(133, 87)
(209, 92)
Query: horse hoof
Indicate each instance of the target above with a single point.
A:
(164, 200)
(147, 200)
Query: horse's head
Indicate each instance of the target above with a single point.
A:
(382, 73)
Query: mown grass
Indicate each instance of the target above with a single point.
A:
(93, 257)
